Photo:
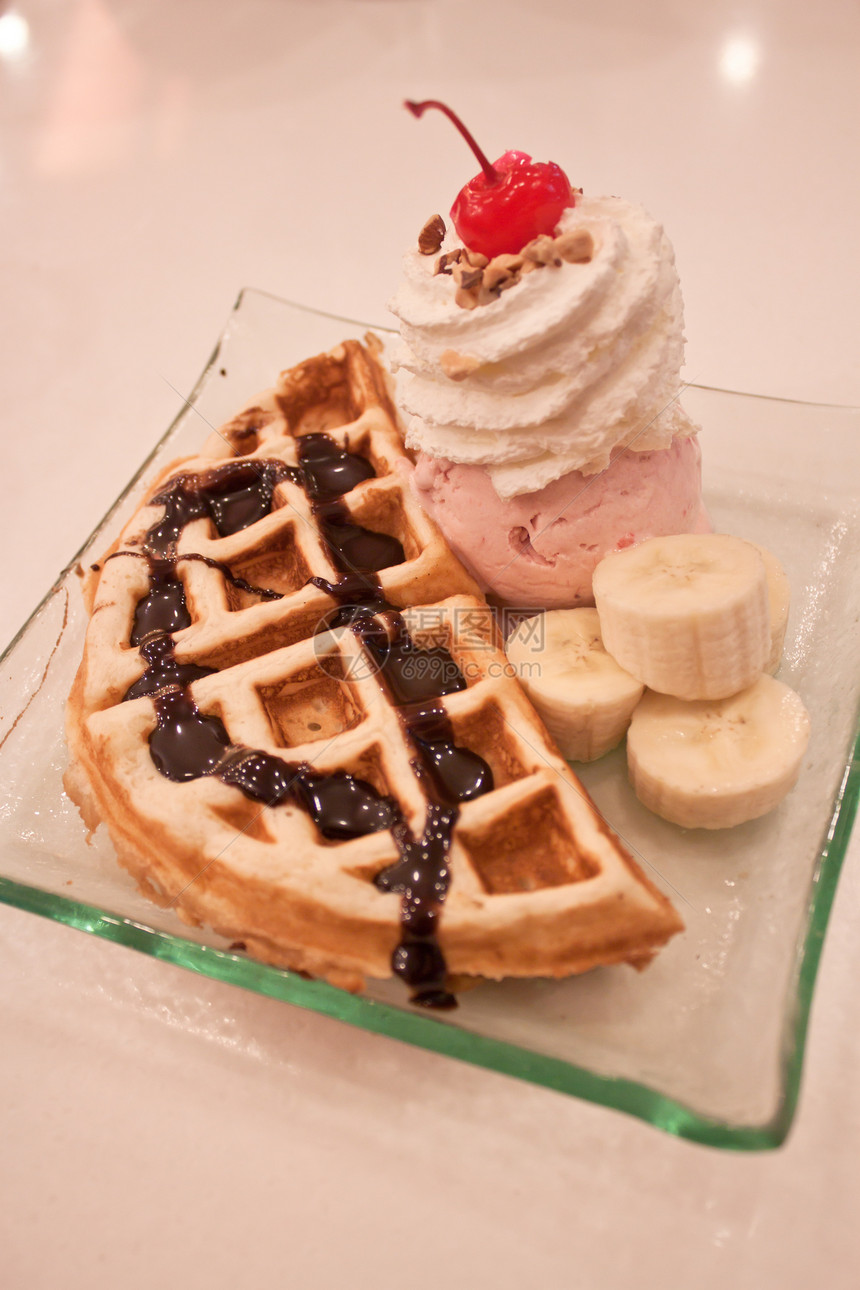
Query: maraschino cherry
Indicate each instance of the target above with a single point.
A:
(510, 202)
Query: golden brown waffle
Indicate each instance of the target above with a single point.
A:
(536, 882)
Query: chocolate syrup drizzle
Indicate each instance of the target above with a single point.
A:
(186, 744)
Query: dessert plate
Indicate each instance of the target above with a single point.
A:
(708, 1042)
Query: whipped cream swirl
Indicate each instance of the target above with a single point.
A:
(570, 363)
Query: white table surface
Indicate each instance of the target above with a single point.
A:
(156, 157)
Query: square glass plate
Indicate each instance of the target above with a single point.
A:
(708, 1042)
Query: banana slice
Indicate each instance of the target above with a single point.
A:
(583, 696)
(713, 764)
(779, 602)
(686, 615)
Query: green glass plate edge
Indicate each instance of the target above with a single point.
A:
(421, 1029)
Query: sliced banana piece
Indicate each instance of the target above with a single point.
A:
(687, 615)
(779, 601)
(583, 696)
(712, 764)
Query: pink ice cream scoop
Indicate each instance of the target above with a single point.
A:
(539, 550)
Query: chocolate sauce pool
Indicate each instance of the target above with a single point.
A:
(186, 744)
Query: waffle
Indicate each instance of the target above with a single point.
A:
(321, 755)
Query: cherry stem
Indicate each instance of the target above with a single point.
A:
(418, 109)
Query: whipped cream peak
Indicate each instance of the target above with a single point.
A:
(569, 363)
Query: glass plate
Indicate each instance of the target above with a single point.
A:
(708, 1042)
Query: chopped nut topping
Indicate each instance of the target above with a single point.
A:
(576, 247)
(466, 277)
(542, 250)
(432, 235)
(445, 262)
(511, 263)
(481, 281)
(497, 279)
(458, 366)
(466, 299)
(502, 272)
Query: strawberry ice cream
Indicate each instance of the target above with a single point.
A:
(540, 549)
